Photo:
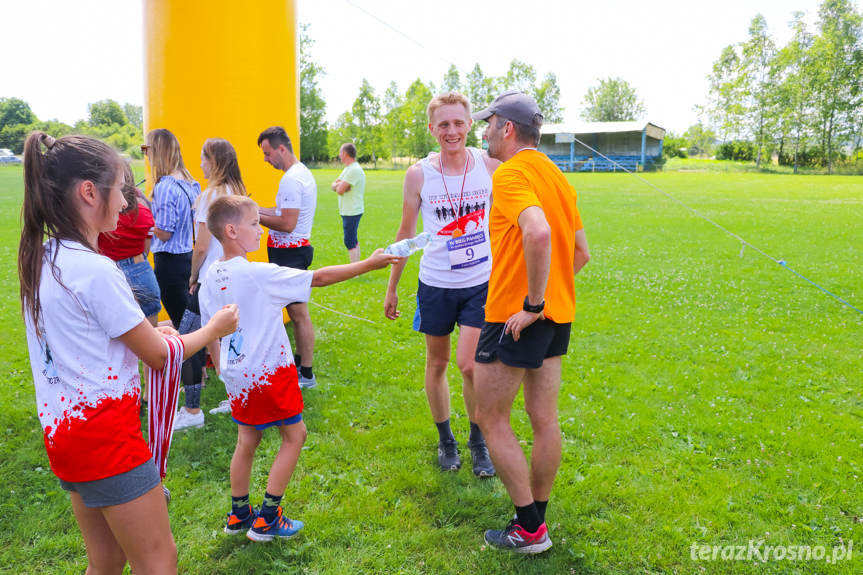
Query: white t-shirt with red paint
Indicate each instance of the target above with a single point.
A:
(87, 382)
(299, 191)
(257, 363)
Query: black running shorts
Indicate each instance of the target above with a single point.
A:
(540, 340)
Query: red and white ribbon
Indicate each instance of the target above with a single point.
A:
(164, 389)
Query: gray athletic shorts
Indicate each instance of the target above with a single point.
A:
(117, 489)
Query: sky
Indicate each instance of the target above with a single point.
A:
(60, 55)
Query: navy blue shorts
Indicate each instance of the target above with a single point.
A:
(539, 341)
(262, 426)
(351, 224)
(440, 309)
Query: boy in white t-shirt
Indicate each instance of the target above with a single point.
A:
(257, 363)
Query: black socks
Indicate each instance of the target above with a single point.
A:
(528, 517)
(475, 434)
(540, 507)
(304, 371)
(444, 431)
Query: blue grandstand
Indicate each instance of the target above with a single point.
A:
(630, 145)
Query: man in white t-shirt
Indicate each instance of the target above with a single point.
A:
(452, 191)
(290, 224)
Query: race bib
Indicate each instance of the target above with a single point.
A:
(468, 251)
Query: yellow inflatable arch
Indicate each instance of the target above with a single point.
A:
(226, 69)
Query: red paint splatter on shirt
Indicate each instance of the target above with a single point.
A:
(272, 396)
(94, 442)
(284, 243)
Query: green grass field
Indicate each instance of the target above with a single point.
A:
(708, 397)
(852, 168)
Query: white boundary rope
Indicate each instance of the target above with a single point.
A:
(342, 313)
(744, 243)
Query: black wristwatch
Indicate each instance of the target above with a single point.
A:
(533, 308)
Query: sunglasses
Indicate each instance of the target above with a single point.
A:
(144, 148)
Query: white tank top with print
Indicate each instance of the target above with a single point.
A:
(456, 259)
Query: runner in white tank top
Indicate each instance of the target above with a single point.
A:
(446, 208)
(451, 190)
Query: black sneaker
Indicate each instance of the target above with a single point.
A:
(515, 538)
(447, 455)
(482, 465)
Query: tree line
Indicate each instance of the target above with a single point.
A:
(394, 124)
(802, 100)
(389, 125)
(118, 126)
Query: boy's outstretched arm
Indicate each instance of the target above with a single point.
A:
(334, 274)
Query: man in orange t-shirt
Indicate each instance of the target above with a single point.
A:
(537, 246)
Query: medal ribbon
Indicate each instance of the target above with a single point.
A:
(457, 232)
(164, 389)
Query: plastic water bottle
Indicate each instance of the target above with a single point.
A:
(408, 246)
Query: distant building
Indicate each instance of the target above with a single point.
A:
(624, 144)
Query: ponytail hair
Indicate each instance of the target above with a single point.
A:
(49, 210)
(225, 171)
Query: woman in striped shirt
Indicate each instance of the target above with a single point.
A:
(174, 195)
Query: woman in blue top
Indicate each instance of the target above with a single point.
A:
(174, 195)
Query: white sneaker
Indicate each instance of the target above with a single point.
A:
(224, 407)
(307, 383)
(184, 420)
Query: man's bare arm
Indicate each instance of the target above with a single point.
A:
(536, 244)
(582, 253)
(411, 201)
(340, 187)
(283, 223)
(536, 241)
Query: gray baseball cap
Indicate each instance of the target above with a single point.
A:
(513, 105)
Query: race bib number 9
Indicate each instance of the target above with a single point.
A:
(468, 251)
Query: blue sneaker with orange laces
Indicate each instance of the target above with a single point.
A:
(281, 527)
(515, 538)
(236, 525)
